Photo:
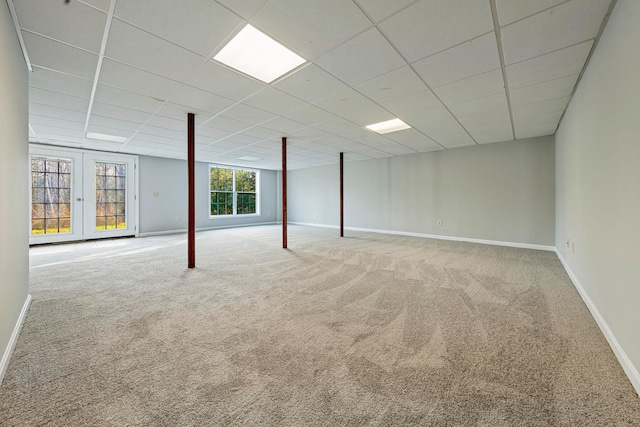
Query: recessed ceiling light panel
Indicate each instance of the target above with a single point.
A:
(258, 55)
(105, 137)
(388, 126)
(249, 158)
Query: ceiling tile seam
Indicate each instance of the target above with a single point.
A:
(62, 42)
(48, 117)
(103, 47)
(59, 72)
(551, 52)
(452, 47)
(264, 2)
(59, 93)
(534, 14)
(386, 17)
(505, 82)
(544, 82)
(605, 21)
(55, 107)
(431, 89)
(92, 6)
(16, 24)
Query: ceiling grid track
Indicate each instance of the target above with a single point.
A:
(103, 48)
(14, 17)
(496, 25)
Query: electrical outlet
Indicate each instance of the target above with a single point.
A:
(439, 223)
(177, 219)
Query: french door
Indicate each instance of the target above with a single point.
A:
(78, 195)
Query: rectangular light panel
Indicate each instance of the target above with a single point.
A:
(105, 137)
(258, 55)
(388, 126)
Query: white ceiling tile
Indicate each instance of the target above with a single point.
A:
(227, 124)
(208, 132)
(413, 139)
(337, 126)
(310, 28)
(58, 140)
(149, 52)
(59, 100)
(109, 122)
(274, 101)
(396, 84)
(561, 63)
(422, 29)
(447, 133)
(399, 149)
(198, 25)
(541, 120)
(310, 115)
(124, 98)
(125, 77)
(495, 134)
(248, 114)
(116, 112)
(491, 126)
(544, 107)
(345, 102)
(468, 59)
(308, 132)
(377, 10)
(60, 57)
(155, 139)
(200, 100)
(59, 123)
(429, 117)
(73, 23)
(543, 91)
(311, 84)
(42, 130)
(223, 81)
(244, 8)
(480, 105)
(263, 133)
(513, 10)
(412, 104)
(282, 124)
(58, 82)
(362, 58)
(535, 131)
(56, 112)
(471, 88)
(164, 132)
(180, 112)
(168, 123)
(564, 25)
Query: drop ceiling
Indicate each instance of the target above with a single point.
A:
(460, 72)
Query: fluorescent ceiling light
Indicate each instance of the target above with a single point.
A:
(388, 126)
(258, 55)
(105, 137)
(248, 158)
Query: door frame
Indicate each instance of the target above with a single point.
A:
(80, 191)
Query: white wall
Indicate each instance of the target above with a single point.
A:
(14, 189)
(500, 192)
(168, 179)
(598, 183)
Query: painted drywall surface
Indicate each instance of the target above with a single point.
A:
(163, 197)
(14, 179)
(501, 191)
(598, 179)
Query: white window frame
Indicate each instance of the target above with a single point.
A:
(234, 213)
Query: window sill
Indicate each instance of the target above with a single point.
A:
(234, 216)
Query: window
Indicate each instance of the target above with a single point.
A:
(233, 191)
(111, 184)
(50, 195)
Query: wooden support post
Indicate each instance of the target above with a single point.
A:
(341, 194)
(284, 192)
(191, 161)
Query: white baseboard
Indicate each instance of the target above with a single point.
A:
(184, 230)
(438, 236)
(623, 359)
(4, 363)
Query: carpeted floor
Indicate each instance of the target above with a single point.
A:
(366, 330)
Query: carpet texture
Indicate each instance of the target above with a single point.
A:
(366, 330)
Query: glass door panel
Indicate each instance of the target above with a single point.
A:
(55, 216)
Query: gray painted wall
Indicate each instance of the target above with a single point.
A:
(501, 192)
(163, 197)
(598, 180)
(14, 179)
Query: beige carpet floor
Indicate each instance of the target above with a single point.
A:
(366, 330)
